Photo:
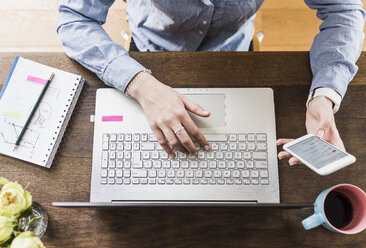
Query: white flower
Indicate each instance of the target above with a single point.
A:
(6, 228)
(27, 240)
(13, 199)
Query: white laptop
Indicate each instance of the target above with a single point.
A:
(130, 168)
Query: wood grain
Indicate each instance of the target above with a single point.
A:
(287, 73)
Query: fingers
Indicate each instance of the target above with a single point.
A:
(193, 130)
(283, 154)
(186, 141)
(283, 141)
(293, 161)
(173, 140)
(194, 107)
(163, 142)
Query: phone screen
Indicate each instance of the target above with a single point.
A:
(316, 152)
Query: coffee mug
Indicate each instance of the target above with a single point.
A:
(341, 208)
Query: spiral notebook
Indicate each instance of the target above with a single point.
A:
(17, 98)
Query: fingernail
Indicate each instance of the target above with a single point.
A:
(196, 154)
(207, 148)
(320, 133)
(171, 156)
(205, 112)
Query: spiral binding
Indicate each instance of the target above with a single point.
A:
(62, 121)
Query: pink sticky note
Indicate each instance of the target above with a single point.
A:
(112, 118)
(36, 80)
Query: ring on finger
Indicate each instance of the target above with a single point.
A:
(178, 130)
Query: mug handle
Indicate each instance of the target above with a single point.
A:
(312, 221)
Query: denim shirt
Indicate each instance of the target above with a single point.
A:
(204, 25)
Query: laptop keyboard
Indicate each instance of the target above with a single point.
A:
(134, 158)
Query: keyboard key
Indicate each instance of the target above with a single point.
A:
(245, 173)
(145, 155)
(152, 181)
(161, 181)
(104, 159)
(169, 181)
(264, 181)
(195, 181)
(240, 164)
(128, 137)
(152, 173)
(232, 137)
(119, 155)
(207, 173)
(186, 181)
(175, 164)
(135, 181)
(255, 181)
(250, 164)
(193, 164)
(136, 137)
(119, 164)
(189, 173)
(112, 146)
(247, 155)
(119, 181)
(127, 164)
(126, 173)
(263, 173)
(147, 164)
(251, 146)
(238, 181)
(156, 164)
(210, 155)
(251, 137)
(144, 137)
(112, 155)
(223, 146)
(178, 181)
(260, 155)
(105, 146)
(180, 173)
(241, 137)
(214, 146)
(261, 137)
(230, 181)
(220, 181)
(126, 181)
(230, 164)
(139, 173)
(113, 137)
(212, 164)
(246, 181)
(261, 146)
(147, 146)
(119, 173)
(228, 155)
(158, 147)
(242, 146)
(216, 137)
(182, 155)
(161, 173)
(222, 164)
(170, 173)
(198, 173)
(104, 173)
(143, 181)
(254, 174)
(128, 146)
(163, 155)
(236, 173)
(219, 155)
(184, 164)
(105, 137)
(136, 146)
(217, 173)
(203, 181)
(226, 173)
(152, 137)
(238, 155)
(137, 165)
(166, 164)
(112, 163)
(201, 155)
(203, 164)
(232, 146)
(211, 181)
(261, 164)
(111, 181)
(120, 137)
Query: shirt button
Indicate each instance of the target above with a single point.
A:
(204, 22)
(200, 32)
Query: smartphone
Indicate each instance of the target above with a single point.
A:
(319, 155)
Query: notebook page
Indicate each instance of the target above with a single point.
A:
(21, 93)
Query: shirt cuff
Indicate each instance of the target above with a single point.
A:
(121, 71)
(329, 93)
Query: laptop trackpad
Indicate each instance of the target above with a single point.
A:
(215, 104)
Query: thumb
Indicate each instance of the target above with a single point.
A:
(323, 127)
(194, 107)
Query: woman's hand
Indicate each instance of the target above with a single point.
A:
(166, 112)
(319, 121)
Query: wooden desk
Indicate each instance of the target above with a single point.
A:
(288, 73)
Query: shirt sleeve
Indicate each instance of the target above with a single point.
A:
(337, 47)
(84, 40)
